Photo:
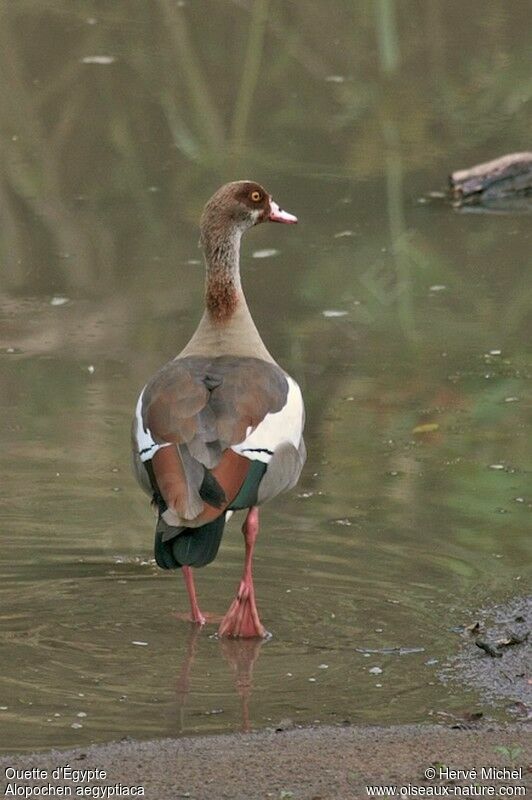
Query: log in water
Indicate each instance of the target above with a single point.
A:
(503, 177)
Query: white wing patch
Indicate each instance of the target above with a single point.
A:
(145, 443)
(284, 426)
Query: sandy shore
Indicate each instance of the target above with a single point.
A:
(311, 764)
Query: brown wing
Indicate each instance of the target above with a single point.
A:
(171, 403)
(204, 406)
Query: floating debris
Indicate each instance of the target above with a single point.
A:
(98, 60)
(323, 666)
(335, 79)
(268, 252)
(346, 522)
(140, 644)
(438, 287)
(343, 234)
(375, 670)
(334, 312)
(511, 399)
(91, 369)
(386, 651)
(58, 300)
(427, 427)
(496, 466)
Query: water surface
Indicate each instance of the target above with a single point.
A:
(407, 325)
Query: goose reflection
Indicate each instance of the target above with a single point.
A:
(240, 654)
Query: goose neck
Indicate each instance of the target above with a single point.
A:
(223, 287)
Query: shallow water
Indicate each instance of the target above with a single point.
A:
(406, 323)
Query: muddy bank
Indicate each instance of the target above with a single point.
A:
(495, 656)
(309, 764)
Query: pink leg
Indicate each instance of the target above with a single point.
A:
(197, 616)
(242, 619)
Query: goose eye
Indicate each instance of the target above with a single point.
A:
(255, 196)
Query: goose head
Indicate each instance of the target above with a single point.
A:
(241, 205)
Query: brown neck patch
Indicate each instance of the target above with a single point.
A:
(221, 298)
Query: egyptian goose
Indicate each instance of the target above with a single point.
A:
(220, 428)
